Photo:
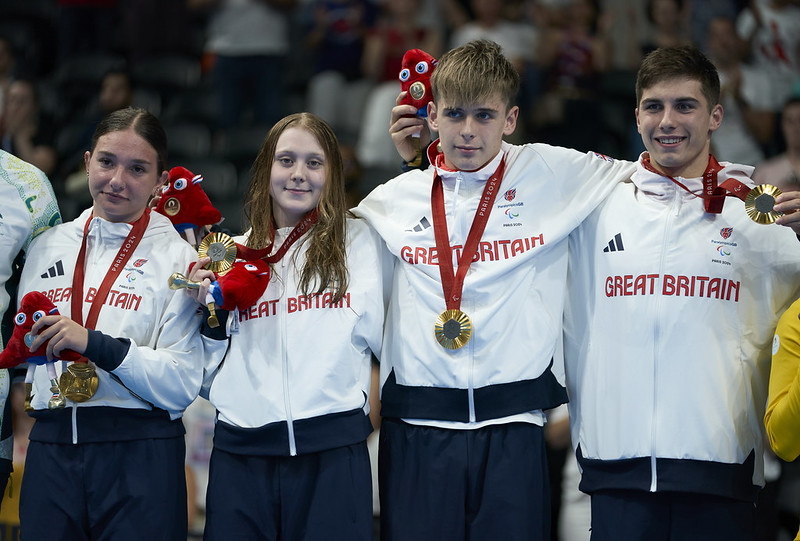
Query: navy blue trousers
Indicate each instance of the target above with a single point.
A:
(636, 515)
(107, 491)
(439, 484)
(325, 496)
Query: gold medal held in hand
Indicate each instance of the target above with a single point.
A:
(453, 329)
(79, 382)
(760, 202)
(221, 249)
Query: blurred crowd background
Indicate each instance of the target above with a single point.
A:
(219, 73)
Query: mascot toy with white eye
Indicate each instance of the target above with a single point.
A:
(187, 206)
(34, 306)
(415, 80)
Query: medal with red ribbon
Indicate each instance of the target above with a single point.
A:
(223, 252)
(758, 201)
(453, 328)
(249, 254)
(79, 382)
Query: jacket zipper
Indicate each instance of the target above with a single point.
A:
(674, 210)
(74, 424)
(285, 364)
(94, 231)
(462, 228)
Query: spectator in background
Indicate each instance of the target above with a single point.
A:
(783, 170)
(669, 20)
(517, 39)
(338, 89)
(116, 92)
(249, 40)
(772, 30)
(574, 51)
(748, 118)
(85, 26)
(8, 66)
(397, 30)
(701, 13)
(26, 131)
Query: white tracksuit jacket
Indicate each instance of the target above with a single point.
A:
(513, 292)
(668, 327)
(28, 207)
(148, 349)
(296, 378)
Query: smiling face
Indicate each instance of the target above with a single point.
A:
(298, 175)
(471, 135)
(123, 173)
(676, 122)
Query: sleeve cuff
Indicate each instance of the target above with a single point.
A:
(405, 166)
(105, 351)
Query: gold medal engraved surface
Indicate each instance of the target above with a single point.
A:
(417, 90)
(221, 249)
(172, 206)
(79, 382)
(760, 202)
(453, 329)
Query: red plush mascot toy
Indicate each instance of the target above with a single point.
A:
(415, 80)
(240, 287)
(185, 203)
(237, 288)
(34, 306)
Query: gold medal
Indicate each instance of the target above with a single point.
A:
(79, 382)
(417, 90)
(453, 329)
(760, 202)
(221, 249)
(172, 206)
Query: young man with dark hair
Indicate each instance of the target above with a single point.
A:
(674, 293)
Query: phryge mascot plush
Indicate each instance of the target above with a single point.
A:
(186, 205)
(34, 306)
(415, 80)
(238, 288)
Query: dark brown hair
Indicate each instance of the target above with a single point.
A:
(144, 123)
(685, 62)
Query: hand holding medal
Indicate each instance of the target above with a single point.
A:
(33, 307)
(241, 273)
(760, 203)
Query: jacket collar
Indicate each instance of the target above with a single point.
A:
(479, 176)
(660, 186)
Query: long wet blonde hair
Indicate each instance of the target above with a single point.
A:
(325, 264)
